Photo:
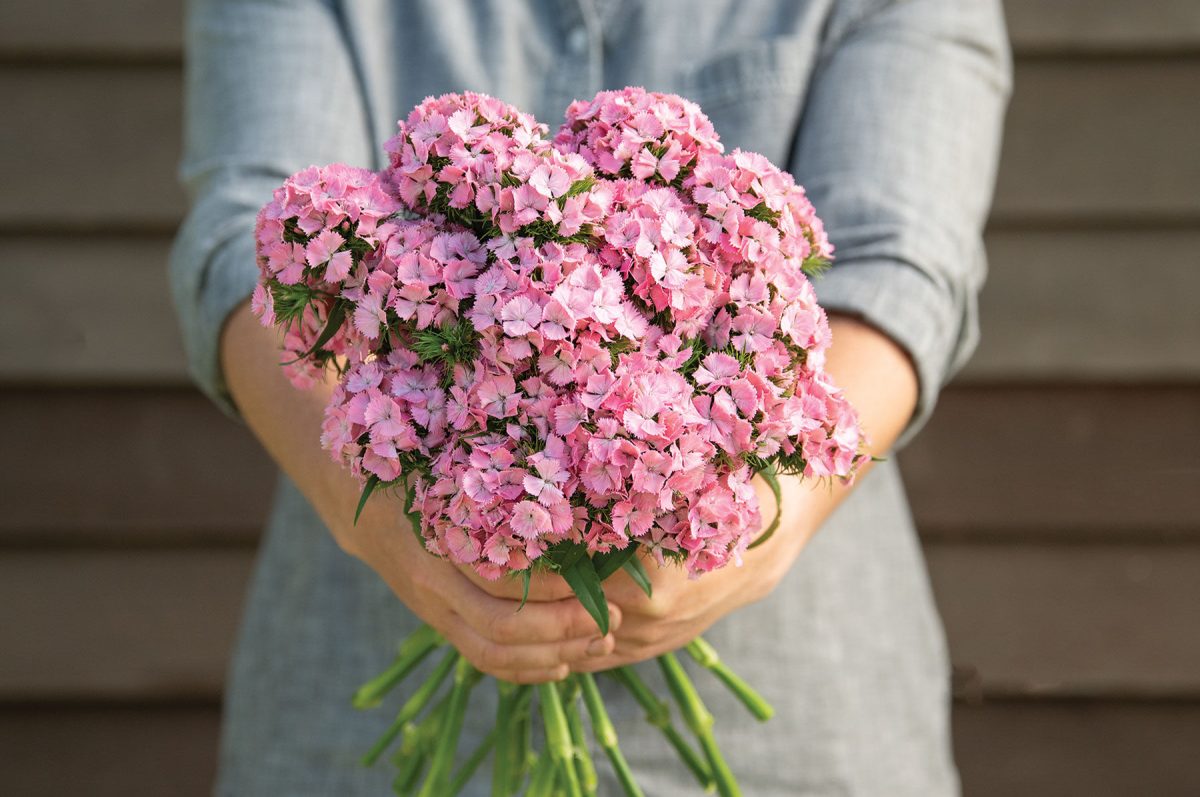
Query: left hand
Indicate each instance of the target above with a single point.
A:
(682, 608)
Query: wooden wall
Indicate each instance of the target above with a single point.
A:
(1056, 489)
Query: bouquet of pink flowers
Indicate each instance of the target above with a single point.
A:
(564, 353)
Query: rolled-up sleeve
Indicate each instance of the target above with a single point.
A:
(898, 148)
(270, 89)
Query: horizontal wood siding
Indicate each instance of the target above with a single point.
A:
(1055, 488)
(1072, 321)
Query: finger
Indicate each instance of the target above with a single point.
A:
(534, 676)
(665, 582)
(492, 657)
(626, 653)
(509, 623)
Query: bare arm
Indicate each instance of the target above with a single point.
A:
(536, 644)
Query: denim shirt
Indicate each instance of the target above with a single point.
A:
(888, 112)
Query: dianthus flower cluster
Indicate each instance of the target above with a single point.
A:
(594, 342)
(311, 240)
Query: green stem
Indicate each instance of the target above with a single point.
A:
(584, 767)
(700, 721)
(658, 714)
(411, 760)
(606, 735)
(558, 736)
(415, 745)
(468, 769)
(412, 707)
(525, 757)
(413, 650)
(407, 776)
(503, 763)
(421, 735)
(545, 776)
(706, 656)
(437, 782)
(772, 479)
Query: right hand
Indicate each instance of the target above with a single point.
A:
(531, 644)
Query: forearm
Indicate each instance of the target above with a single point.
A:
(535, 645)
(286, 421)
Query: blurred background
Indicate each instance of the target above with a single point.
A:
(1057, 488)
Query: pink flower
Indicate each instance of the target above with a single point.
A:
(530, 520)
(629, 350)
(550, 181)
(262, 305)
(520, 316)
(497, 396)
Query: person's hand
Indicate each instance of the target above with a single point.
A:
(682, 608)
(537, 642)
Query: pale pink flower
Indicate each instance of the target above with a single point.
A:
(530, 520)
(520, 316)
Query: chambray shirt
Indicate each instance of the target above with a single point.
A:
(887, 111)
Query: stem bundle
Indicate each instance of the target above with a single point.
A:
(428, 745)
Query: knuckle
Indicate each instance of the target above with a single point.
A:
(503, 627)
(655, 609)
(496, 656)
(575, 622)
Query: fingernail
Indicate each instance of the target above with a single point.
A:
(597, 647)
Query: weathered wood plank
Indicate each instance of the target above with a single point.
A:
(1071, 463)
(109, 751)
(119, 625)
(1067, 120)
(148, 28)
(1087, 620)
(1101, 749)
(154, 466)
(1097, 305)
(1101, 140)
(1102, 27)
(122, 29)
(1110, 305)
(97, 147)
(94, 310)
(1052, 463)
(1098, 749)
(1077, 620)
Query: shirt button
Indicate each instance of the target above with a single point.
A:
(577, 40)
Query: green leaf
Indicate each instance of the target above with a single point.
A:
(637, 571)
(336, 316)
(526, 577)
(414, 517)
(607, 564)
(584, 581)
(772, 480)
(368, 488)
(565, 554)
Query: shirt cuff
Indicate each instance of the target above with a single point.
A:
(905, 304)
(227, 281)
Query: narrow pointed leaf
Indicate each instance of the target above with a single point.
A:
(368, 488)
(414, 517)
(583, 580)
(526, 578)
(772, 480)
(609, 563)
(637, 571)
(336, 316)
